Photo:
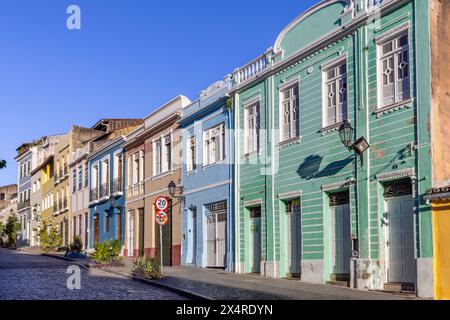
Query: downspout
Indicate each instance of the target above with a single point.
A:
(230, 245)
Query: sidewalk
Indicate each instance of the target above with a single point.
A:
(213, 284)
(220, 285)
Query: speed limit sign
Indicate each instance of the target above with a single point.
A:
(162, 203)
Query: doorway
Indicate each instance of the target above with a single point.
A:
(216, 227)
(141, 233)
(401, 266)
(131, 233)
(293, 238)
(96, 229)
(255, 239)
(192, 236)
(341, 240)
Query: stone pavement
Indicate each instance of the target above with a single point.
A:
(27, 276)
(220, 285)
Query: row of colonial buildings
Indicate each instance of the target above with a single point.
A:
(324, 159)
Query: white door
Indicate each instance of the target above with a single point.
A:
(402, 264)
(341, 239)
(255, 243)
(192, 236)
(216, 235)
(131, 234)
(211, 240)
(293, 238)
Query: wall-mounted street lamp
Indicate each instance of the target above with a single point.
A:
(346, 133)
(173, 190)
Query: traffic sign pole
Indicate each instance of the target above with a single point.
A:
(161, 248)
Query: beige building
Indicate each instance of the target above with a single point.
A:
(153, 161)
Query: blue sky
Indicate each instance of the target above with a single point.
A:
(130, 57)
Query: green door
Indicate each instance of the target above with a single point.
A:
(255, 240)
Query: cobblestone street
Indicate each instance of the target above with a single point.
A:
(28, 277)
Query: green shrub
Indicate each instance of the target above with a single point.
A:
(77, 245)
(147, 268)
(48, 236)
(107, 251)
(12, 227)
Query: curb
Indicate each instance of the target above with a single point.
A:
(155, 283)
(81, 264)
(84, 265)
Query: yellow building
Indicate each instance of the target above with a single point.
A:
(47, 171)
(440, 204)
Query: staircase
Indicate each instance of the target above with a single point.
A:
(408, 288)
(339, 280)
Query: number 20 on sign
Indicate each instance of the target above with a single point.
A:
(162, 203)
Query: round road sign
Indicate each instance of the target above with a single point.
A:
(161, 218)
(162, 203)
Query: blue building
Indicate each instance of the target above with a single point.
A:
(106, 198)
(208, 221)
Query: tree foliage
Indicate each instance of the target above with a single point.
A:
(12, 227)
(2, 164)
(48, 236)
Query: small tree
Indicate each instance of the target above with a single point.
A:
(49, 238)
(12, 227)
(2, 232)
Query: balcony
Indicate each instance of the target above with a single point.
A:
(375, 4)
(104, 190)
(252, 69)
(117, 185)
(23, 205)
(93, 195)
(135, 190)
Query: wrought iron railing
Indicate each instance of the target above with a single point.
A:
(104, 190)
(117, 185)
(24, 204)
(93, 194)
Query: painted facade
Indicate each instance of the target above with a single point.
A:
(8, 202)
(208, 221)
(135, 204)
(106, 216)
(105, 158)
(162, 164)
(308, 208)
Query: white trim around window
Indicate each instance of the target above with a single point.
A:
(334, 91)
(289, 110)
(393, 67)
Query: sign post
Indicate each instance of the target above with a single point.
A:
(162, 205)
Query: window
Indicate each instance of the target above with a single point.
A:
(141, 165)
(290, 113)
(74, 181)
(162, 155)
(394, 70)
(252, 128)
(214, 145)
(167, 163)
(335, 94)
(74, 227)
(158, 158)
(80, 178)
(38, 185)
(2, 196)
(105, 178)
(136, 170)
(94, 177)
(86, 176)
(191, 155)
(130, 171)
(80, 229)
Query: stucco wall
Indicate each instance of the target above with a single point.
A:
(440, 69)
(441, 238)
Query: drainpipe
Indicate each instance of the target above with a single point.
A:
(230, 244)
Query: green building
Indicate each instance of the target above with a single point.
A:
(307, 206)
